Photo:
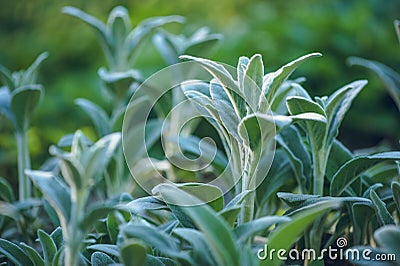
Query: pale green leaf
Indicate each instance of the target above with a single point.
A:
(207, 151)
(218, 235)
(396, 194)
(397, 28)
(338, 104)
(71, 168)
(210, 194)
(290, 140)
(315, 129)
(296, 201)
(279, 175)
(338, 156)
(274, 80)
(201, 251)
(11, 211)
(146, 26)
(133, 253)
(230, 214)
(118, 26)
(145, 203)
(58, 258)
(101, 259)
(166, 45)
(252, 82)
(109, 249)
(390, 78)
(287, 233)
(6, 78)
(5, 101)
(24, 101)
(97, 157)
(6, 192)
(239, 198)
(288, 88)
(217, 70)
(30, 75)
(155, 239)
(97, 115)
(257, 131)
(350, 171)
(382, 212)
(247, 230)
(14, 253)
(57, 237)
(94, 214)
(203, 46)
(33, 255)
(56, 193)
(388, 238)
(360, 224)
(98, 26)
(48, 246)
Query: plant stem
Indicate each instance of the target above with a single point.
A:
(320, 160)
(248, 209)
(248, 203)
(24, 163)
(74, 236)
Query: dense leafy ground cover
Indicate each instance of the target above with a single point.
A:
(284, 179)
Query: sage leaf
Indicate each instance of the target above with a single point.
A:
(56, 193)
(48, 246)
(199, 245)
(274, 80)
(349, 172)
(133, 253)
(390, 78)
(338, 104)
(388, 238)
(24, 101)
(382, 212)
(33, 255)
(14, 253)
(247, 230)
(109, 249)
(287, 233)
(101, 259)
(97, 115)
(94, 214)
(217, 233)
(396, 194)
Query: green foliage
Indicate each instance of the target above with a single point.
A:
(354, 167)
(240, 113)
(19, 98)
(387, 238)
(81, 169)
(288, 182)
(172, 46)
(26, 255)
(390, 78)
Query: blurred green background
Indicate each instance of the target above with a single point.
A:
(279, 30)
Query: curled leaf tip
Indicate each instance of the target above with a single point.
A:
(187, 57)
(179, 19)
(68, 9)
(316, 54)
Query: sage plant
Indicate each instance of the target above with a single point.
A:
(19, 98)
